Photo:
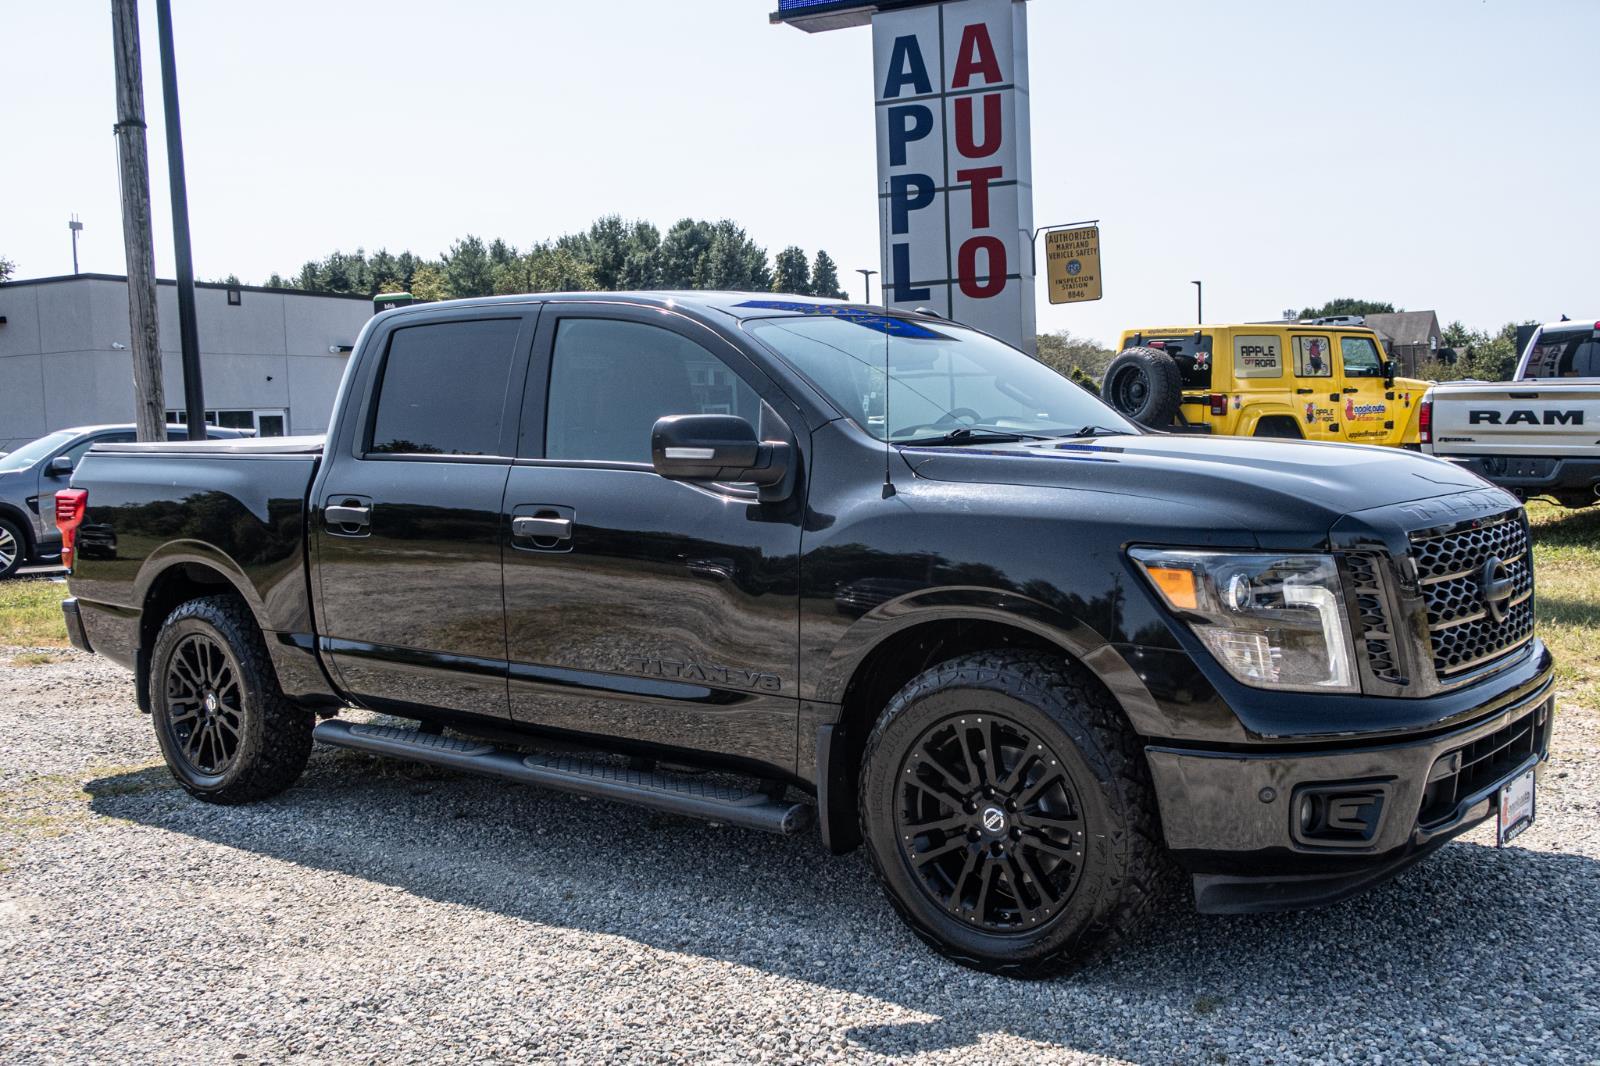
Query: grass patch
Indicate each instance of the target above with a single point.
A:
(1566, 566)
(30, 613)
(33, 658)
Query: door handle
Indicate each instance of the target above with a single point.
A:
(347, 515)
(1351, 388)
(542, 528)
(1304, 392)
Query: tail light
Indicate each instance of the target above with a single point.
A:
(1219, 403)
(70, 506)
(1425, 421)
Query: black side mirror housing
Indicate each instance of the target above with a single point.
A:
(716, 448)
(1388, 373)
(60, 466)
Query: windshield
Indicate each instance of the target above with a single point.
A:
(33, 451)
(942, 378)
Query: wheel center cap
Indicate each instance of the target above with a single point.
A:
(994, 820)
(211, 702)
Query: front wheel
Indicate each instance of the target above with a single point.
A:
(1008, 812)
(225, 728)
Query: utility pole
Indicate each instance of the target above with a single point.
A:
(76, 227)
(149, 400)
(188, 332)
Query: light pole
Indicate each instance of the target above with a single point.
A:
(76, 227)
(867, 277)
(1199, 307)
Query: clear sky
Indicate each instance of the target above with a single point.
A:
(1439, 154)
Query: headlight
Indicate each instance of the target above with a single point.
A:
(1273, 621)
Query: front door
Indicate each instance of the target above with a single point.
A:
(1319, 404)
(1369, 410)
(406, 517)
(639, 608)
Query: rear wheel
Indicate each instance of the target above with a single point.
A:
(13, 547)
(1008, 812)
(226, 730)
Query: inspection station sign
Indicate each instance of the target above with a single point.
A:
(955, 182)
(1072, 264)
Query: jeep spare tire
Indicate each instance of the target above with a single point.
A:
(1145, 385)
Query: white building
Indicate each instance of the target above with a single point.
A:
(270, 359)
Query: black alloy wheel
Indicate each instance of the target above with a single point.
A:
(1130, 388)
(1007, 809)
(226, 729)
(205, 705)
(991, 822)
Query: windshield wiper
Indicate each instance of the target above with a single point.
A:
(971, 435)
(1100, 431)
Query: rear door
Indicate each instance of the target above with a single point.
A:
(406, 513)
(639, 608)
(1318, 401)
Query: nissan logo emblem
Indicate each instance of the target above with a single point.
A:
(1497, 585)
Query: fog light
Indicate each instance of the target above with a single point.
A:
(1341, 815)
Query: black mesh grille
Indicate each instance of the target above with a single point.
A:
(1450, 568)
(1372, 619)
(1470, 769)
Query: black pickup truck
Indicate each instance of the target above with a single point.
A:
(767, 559)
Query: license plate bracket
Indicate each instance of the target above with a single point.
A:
(1517, 804)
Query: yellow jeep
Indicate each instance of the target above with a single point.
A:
(1265, 379)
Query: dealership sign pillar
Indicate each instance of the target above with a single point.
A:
(955, 182)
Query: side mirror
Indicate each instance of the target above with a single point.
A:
(716, 448)
(60, 466)
(1388, 373)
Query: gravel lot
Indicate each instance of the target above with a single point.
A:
(382, 912)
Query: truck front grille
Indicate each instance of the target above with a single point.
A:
(1450, 572)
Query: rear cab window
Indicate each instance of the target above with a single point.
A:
(1564, 353)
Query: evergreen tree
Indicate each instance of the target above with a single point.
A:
(467, 268)
(733, 262)
(791, 273)
(825, 278)
(682, 249)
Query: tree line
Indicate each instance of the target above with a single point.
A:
(611, 254)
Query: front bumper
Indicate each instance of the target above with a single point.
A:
(1236, 820)
(1533, 475)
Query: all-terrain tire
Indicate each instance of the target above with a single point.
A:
(270, 735)
(1146, 385)
(1124, 872)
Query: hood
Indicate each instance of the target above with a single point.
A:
(1268, 487)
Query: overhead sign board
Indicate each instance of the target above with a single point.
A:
(1072, 264)
(955, 181)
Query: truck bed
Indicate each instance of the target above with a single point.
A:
(1517, 418)
(243, 446)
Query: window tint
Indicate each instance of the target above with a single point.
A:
(1313, 357)
(1570, 354)
(1361, 358)
(610, 381)
(444, 388)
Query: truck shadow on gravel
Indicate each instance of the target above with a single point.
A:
(1473, 948)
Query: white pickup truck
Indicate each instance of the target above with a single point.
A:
(1537, 435)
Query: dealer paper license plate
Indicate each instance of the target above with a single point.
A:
(1516, 807)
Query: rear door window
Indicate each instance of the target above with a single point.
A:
(1193, 357)
(1313, 357)
(443, 390)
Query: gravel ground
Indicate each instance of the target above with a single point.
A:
(382, 912)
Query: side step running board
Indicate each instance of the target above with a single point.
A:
(664, 792)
